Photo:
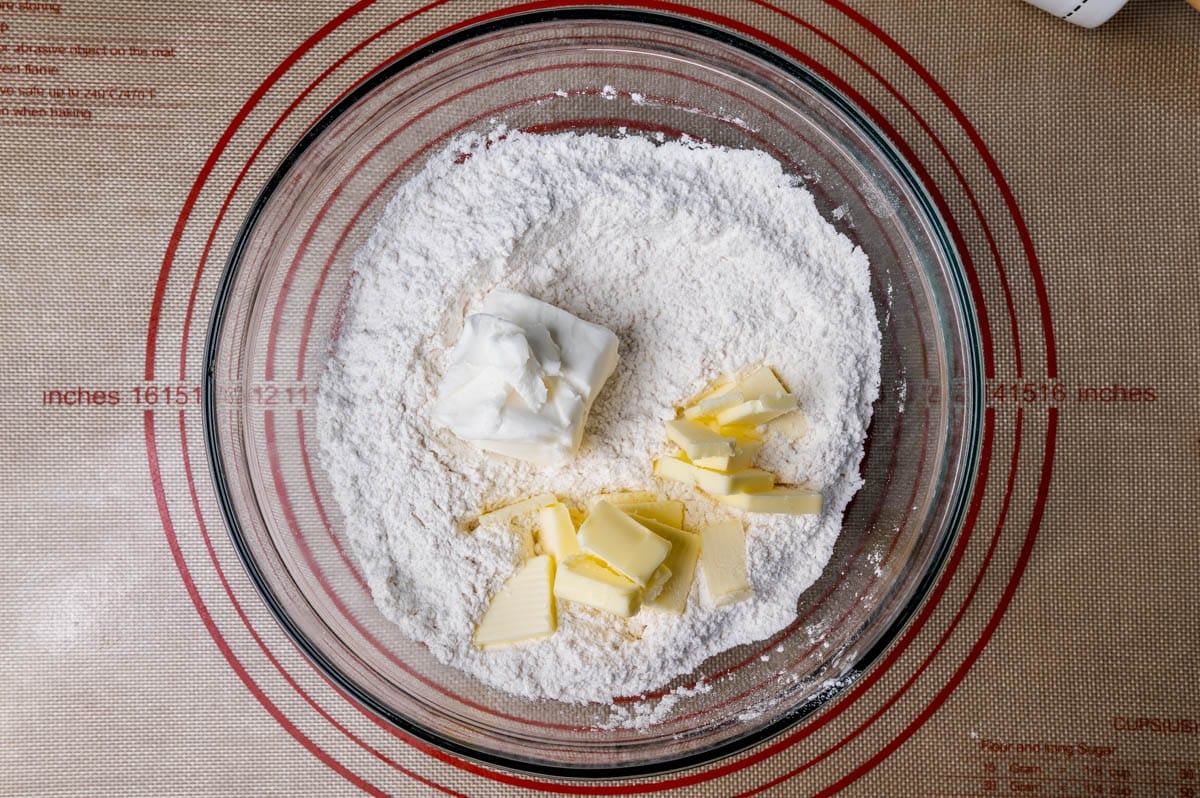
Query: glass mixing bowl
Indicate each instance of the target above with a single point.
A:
(278, 309)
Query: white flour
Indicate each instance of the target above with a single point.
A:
(701, 260)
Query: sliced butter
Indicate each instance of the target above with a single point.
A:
(726, 393)
(710, 406)
(508, 512)
(718, 387)
(757, 411)
(681, 561)
(717, 483)
(645, 504)
(587, 581)
(699, 441)
(758, 383)
(622, 543)
(667, 511)
(780, 499)
(743, 457)
(523, 609)
(556, 531)
(723, 552)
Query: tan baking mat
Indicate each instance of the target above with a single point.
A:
(1060, 652)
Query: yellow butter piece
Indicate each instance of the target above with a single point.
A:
(698, 441)
(726, 393)
(743, 457)
(662, 575)
(622, 543)
(742, 433)
(556, 530)
(523, 609)
(667, 511)
(757, 411)
(718, 387)
(710, 406)
(758, 383)
(780, 499)
(585, 580)
(510, 511)
(723, 554)
(718, 483)
(685, 551)
(644, 504)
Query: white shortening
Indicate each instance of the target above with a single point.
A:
(522, 378)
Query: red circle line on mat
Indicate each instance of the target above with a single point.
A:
(223, 143)
(945, 636)
(241, 613)
(210, 625)
(976, 288)
(193, 196)
(990, 162)
(153, 324)
(159, 291)
(1006, 597)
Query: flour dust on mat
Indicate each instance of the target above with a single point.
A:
(704, 261)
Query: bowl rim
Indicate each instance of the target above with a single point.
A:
(968, 357)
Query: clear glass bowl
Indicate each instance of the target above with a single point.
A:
(278, 310)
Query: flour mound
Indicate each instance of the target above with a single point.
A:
(702, 260)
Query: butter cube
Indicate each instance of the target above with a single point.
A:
(586, 580)
(667, 511)
(556, 530)
(780, 499)
(718, 483)
(723, 549)
(743, 457)
(699, 441)
(524, 608)
(508, 512)
(685, 551)
(758, 411)
(622, 543)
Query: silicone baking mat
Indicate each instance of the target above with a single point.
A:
(1057, 653)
